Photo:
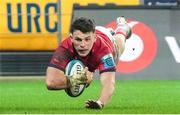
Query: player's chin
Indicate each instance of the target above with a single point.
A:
(83, 53)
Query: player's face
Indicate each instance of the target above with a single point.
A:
(83, 42)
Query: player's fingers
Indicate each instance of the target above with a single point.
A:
(89, 104)
(88, 101)
(84, 71)
(78, 82)
(82, 80)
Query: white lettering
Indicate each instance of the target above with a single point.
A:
(172, 43)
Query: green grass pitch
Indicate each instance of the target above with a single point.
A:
(27, 96)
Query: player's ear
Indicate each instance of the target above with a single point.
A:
(71, 36)
(94, 35)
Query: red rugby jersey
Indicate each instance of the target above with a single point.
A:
(100, 56)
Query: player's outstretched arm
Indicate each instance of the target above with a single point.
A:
(55, 79)
(108, 82)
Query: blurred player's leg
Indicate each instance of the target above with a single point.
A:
(118, 37)
(121, 33)
(123, 27)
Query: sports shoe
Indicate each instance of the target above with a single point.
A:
(123, 27)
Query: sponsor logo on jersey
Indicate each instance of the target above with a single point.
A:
(108, 61)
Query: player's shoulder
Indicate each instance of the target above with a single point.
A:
(103, 36)
(66, 43)
(66, 40)
(100, 30)
(103, 33)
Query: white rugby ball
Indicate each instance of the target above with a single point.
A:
(72, 68)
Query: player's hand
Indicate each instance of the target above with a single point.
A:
(84, 77)
(94, 104)
(88, 74)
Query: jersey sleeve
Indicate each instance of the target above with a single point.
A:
(107, 63)
(61, 56)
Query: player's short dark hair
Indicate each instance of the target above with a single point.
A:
(83, 24)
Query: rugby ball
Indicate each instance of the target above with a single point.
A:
(72, 68)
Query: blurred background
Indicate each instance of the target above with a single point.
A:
(31, 30)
